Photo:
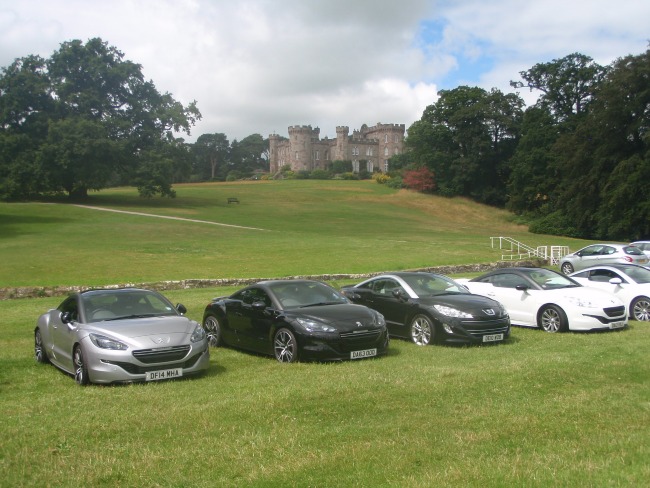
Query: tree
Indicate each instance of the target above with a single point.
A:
(606, 160)
(88, 115)
(567, 84)
(210, 150)
(421, 179)
(466, 139)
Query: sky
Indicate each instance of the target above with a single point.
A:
(260, 66)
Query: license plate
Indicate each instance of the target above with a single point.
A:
(366, 353)
(492, 337)
(617, 325)
(164, 374)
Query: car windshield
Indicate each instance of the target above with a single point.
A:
(297, 294)
(550, 280)
(104, 305)
(430, 285)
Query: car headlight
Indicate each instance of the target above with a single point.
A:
(314, 326)
(582, 302)
(107, 343)
(198, 334)
(452, 312)
(379, 320)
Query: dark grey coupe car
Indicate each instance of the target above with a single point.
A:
(295, 319)
(427, 307)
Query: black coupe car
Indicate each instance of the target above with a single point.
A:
(427, 307)
(295, 319)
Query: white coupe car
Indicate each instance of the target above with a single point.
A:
(629, 282)
(540, 297)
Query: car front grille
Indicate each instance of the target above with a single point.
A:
(614, 311)
(483, 327)
(362, 339)
(161, 355)
(135, 369)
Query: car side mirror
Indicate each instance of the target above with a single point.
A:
(181, 308)
(399, 294)
(258, 305)
(521, 287)
(616, 281)
(66, 317)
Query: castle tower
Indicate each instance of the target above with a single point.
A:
(274, 157)
(300, 140)
(342, 143)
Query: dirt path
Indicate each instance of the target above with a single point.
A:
(171, 218)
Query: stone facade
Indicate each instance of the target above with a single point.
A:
(369, 148)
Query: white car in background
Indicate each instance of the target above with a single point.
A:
(540, 297)
(628, 282)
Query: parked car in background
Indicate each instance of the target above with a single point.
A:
(120, 336)
(644, 246)
(295, 319)
(597, 254)
(428, 307)
(629, 282)
(540, 297)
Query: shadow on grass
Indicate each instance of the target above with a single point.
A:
(10, 223)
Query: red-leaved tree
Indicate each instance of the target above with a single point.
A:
(422, 179)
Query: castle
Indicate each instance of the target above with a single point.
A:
(369, 148)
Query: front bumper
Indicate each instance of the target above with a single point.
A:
(106, 367)
(474, 331)
(325, 348)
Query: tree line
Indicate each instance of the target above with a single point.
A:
(575, 163)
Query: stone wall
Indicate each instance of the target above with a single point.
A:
(37, 292)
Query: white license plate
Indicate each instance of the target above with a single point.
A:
(164, 374)
(492, 337)
(617, 325)
(366, 353)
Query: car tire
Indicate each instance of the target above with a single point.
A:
(39, 350)
(80, 368)
(422, 330)
(285, 346)
(212, 329)
(552, 318)
(567, 268)
(640, 309)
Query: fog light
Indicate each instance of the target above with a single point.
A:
(447, 328)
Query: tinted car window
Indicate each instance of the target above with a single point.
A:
(633, 251)
(70, 305)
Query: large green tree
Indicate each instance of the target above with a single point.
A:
(82, 119)
(211, 152)
(567, 84)
(606, 160)
(466, 139)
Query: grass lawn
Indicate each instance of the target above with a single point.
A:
(540, 410)
(310, 227)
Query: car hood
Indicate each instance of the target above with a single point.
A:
(343, 317)
(147, 330)
(473, 304)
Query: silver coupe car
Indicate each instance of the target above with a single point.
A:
(121, 336)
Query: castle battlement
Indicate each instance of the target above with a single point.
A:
(365, 148)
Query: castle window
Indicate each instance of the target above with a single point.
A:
(317, 155)
(355, 166)
(396, 139)
(371, 167)
(385, 151)
(385, 165)
(386, 138)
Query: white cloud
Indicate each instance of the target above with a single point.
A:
(258, 66)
